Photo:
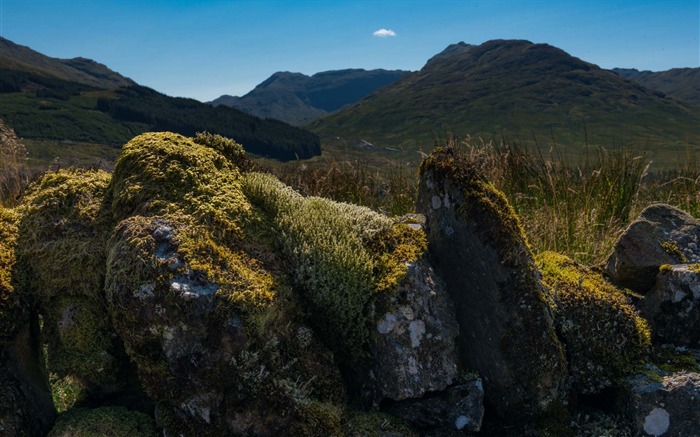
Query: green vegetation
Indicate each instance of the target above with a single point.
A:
(671, 248)
(604, 336)
(12, 302)
(14, 174)
(342, 255)
(103, 422)
(679, 83)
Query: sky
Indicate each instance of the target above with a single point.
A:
(204, 49)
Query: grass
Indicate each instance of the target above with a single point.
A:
(14, 172)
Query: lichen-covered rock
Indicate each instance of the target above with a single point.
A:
(477, 246)
(673, 305)
(414, 350)
(458, 408)
(104, 422)
(660, 235)
(604, 336)
(669, 407)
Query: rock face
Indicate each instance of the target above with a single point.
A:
(478, 248)
(459, 408)
(673, 305)
(660, 235)
(415, 349)
(670, 408)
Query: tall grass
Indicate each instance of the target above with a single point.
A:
(14, 173)
(575, 206)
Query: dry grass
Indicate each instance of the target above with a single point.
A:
(14, 173)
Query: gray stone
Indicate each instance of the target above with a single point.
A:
(477, 247)
(415, 347)
(660, 235)
(673, 306)
(458, 408)
(669, 407)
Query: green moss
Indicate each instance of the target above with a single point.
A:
(166, 173)
(63, 231)
(376, 424)
(341, 256)
(671, 248)
(66, 392)
(604, 336)
(664, 268)
(669, 359)
(103, 422)
(227, 147)
(12, 302)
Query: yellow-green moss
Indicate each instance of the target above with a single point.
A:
(695, 268)
(166, 173)
(671, 248)
(12, 303)
(376, 424)
(665, 268)
(604, 335)
(63, 231)
(341, 255)
(227, 147)
(103, 422)
(66, 392)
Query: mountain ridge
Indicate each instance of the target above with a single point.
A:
(679, 83)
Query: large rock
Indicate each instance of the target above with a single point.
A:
(477, 246)
(673, 305)
(415, 348)
(669, 407)
(660, 235)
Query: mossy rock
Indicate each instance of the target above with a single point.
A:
(605, 337)
(376, 424)
(63, 231)
(13, 304)
(341, 255)
(103, 422)
(478, 247)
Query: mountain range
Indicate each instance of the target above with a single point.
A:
(298, 99)
(80, 100)
(679, 83)
(518, 91)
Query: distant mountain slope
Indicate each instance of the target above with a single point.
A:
(40, 104)
(679, 83)
(514, 89)
(296, 98)
(80, 70)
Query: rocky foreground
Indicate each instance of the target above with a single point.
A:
(189, 295)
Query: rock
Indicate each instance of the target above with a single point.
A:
(415, 347)
(673, 305)
(669, 407)
(459, 407)
(478, 247)
(660, 235)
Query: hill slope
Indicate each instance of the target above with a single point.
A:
(514, 89)
(297, 98)
(679, 83)
(38, 101)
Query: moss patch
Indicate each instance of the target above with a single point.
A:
(604, 335)
(103, 422)
(12, 302)
(341, 256)
(376, 424)
(671, 248)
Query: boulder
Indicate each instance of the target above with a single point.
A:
(414, 351)
(669, 407)
(478, 248)
(458, 408)
(660, 235)
(673, 305)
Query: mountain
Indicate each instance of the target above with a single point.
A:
(297, 98)
(516, 90)
(79, 70)
(679, 83)
(81, 100)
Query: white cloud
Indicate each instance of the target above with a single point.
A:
(383, 33)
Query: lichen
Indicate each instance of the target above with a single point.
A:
(604, 336)
(103, 422)
(671, 248)
(12, 302)
(342, 255)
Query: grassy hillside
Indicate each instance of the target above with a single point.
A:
(513, 90)
(679, 83)
(296, 98)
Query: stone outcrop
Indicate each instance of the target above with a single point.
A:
(669, 407)
(660, 235)
(478, 248)
(673, 305)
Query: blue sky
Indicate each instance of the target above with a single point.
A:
(206, 48)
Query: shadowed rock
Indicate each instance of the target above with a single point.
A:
(478, 248)
(660, 235)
